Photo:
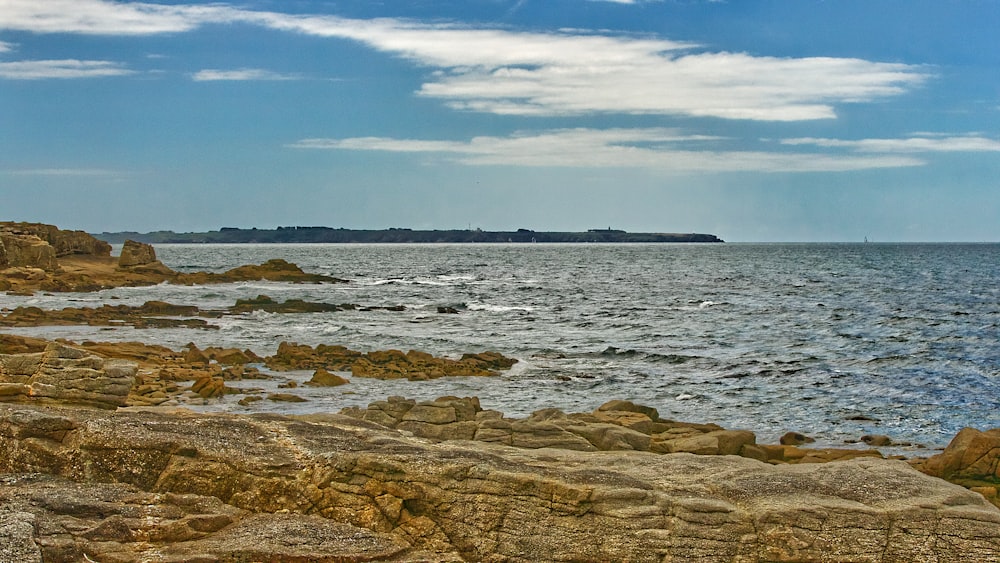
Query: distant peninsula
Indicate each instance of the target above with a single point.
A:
(395, 235)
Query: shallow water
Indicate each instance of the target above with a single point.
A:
(768, 337)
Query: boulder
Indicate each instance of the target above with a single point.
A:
(176, 486)
(795, 439)
(615, 406)
(972, 456)
(136, 254)
(323, 378)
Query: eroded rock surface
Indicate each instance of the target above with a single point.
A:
(64, 375)
(180, 485)
(614, 426)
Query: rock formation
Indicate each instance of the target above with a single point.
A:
(972, 459)
(63, 242)
(178, 486)
(386, 364)
(615, 426)
(36, 257)
(139, 256)
(64, 375)
(27, 251)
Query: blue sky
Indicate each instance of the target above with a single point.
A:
(791, 120)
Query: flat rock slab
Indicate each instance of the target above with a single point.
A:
(356, 491)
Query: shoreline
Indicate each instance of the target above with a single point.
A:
(401, 479)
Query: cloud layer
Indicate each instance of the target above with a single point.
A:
(242, 74)
(964, 143)
(510, 72)
(68, 68)
(655, 149)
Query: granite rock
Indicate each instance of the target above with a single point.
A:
(173, 486)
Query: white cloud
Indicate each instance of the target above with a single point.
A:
(507, 72)
(510, 72)
(6, 47)
(654, 149)
(101, 17)
(68, 68)
(239, 75)
(925, 143)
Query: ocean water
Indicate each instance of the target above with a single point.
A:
(832, 340)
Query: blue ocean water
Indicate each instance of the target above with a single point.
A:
(832, 340)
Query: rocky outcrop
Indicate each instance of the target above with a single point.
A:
(64, 375)
(971, 459)
(323, 378)
(615, 426)
(37, 257)
(273, 270)
(26, 251)
(152, 314)
(139, 256)
(174, 486)
(386, 364)
(63, 242)
(136, 254)
(159, 314)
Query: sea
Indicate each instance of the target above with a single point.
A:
(835, 341)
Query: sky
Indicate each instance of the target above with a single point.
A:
(763, 120)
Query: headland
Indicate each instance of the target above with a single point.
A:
(339, 235)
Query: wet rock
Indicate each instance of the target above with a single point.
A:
(877, 440)
(323, 378)
(795, 439)
(285, 398)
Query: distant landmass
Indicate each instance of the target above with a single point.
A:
(329, 235)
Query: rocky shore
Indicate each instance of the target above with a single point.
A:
(37, 257)
(101, 461)
(81, 475)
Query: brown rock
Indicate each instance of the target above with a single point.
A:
(876, 440)
(136, 254)
(323, 378)
(65, 375)
(236, 488)
(28, 251)
(65, 242)
(629, 406)
(209, 387)
(971, 456)
(795, 439)
(285, 398)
